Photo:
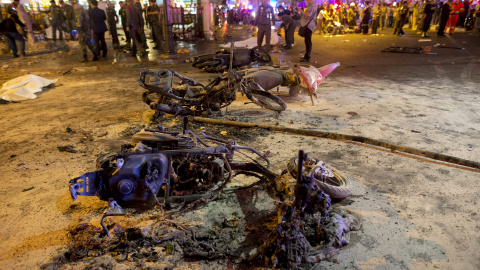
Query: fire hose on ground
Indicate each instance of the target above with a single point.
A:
(409, 152)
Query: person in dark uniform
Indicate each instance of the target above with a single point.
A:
(69, 16)
(57, 19)
(134, 22)
(428, 10)
(289, 26)
(84, 29)
(153, 12)
(9, 29)
(141, 29)
(444, 15)
(264, 21)
(123, 15)
(98, 17)
(367, 14)
(112, 20)
(216, 16)
(12, 9)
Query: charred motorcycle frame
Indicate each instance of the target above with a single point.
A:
(161, 167)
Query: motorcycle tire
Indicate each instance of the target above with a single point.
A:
(260, 55)
(268, 100)
(337, 187)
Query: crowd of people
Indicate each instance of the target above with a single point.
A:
(88, 27)
(354, 18)
(418, 15)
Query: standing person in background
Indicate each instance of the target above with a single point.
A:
(436, 15)
(134, 22)
(123, 15)
(428, 10)
(16, 8)
(216, 16)
(112, 19)
(145, 7)
(415, 14)
(69, 16)
(8, 27)
(444, 15)
(342, 14)
(401, 18)
(352, 14)
(375, 20)
(409, 17)
(264, 21)
(383, 16)
(367, 13)
(84, 30)
(321, 21)
(390, 16)
(98, 18)
(476, 16)
(57, 20)
(153, 18)
(455, 10)
(141, 29)
(308, 20)
(222, 16)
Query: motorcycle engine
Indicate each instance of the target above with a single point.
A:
(136, 177)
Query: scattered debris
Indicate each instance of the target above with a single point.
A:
(27, 189)
(70, 131)
(166, 62)
(67, 148)
(414, 50)
(442, 46)
(424, 40)
(352, 113)
(183, 51)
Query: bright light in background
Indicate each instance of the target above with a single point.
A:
(250, 7)
(335, 6)
(273, 3)
(253, 14)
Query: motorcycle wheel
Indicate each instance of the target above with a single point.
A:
(337, 187)
(260, 55)
(268, 100)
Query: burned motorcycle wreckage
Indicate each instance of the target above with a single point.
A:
(161, 167)
(220, 61)
(170, 167)
(189, 97)
(175, 169)
(193, 98)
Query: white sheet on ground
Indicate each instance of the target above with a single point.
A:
(23, 87)
(252, 42)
